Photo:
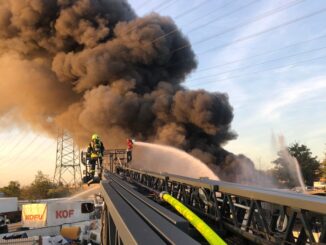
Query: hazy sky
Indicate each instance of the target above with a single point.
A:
(269, 56)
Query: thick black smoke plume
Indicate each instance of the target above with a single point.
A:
(94, 66)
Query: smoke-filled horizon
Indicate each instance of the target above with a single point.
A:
(93, 66)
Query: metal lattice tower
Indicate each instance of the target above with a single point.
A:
(67, 167)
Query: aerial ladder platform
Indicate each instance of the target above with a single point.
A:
(135, 212)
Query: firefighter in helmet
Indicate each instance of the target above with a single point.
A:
(95, 152)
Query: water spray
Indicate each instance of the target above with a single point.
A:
(161, 158)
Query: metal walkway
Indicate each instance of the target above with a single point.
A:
(132, 218)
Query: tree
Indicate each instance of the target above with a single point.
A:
(42, 188)
(12, 189)
(284, 169)
(59, 191)
(323, 168)
(39, 187)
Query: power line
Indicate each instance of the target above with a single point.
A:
(4, 136)
(20, 153)
(168, 5)
(260, 63)
(178, 16)
(223, 16)
(211, 21)
(156, 7)
(260, 32)
(261, 54)
(26, 148)
(189, 10)
(212, 11)
(261, 71)
(20, 140)
(160, 5)
(8, 136)
(39, 148)
(256, 19)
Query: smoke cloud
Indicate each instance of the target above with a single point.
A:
(94, 66)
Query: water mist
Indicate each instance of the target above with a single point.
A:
(292, 163)
(160, 158)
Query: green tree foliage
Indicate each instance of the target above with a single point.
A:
(41, 188)
(285, 171)
(59, 191)
(12, 189)
(323, 168)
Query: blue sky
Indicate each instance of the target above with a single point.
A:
(275, 79)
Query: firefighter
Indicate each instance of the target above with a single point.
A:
(130, 145)
(95, 151)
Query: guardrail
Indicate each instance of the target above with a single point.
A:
(264, 216)
(116, 157)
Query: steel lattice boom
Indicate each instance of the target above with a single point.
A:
(260, 215)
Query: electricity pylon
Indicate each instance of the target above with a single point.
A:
(67, 167)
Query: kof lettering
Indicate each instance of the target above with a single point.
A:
(63, 214)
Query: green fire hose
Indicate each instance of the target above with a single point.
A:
(198, 223)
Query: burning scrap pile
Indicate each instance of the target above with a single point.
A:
(95, 66)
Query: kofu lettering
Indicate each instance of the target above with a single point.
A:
(34, 217)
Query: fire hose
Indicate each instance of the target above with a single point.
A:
(198, 223)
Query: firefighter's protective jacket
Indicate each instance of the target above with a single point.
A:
(96, 149)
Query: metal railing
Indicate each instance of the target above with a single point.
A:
(116, 157)
(264, 216)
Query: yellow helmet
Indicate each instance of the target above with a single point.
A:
(95, 137)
